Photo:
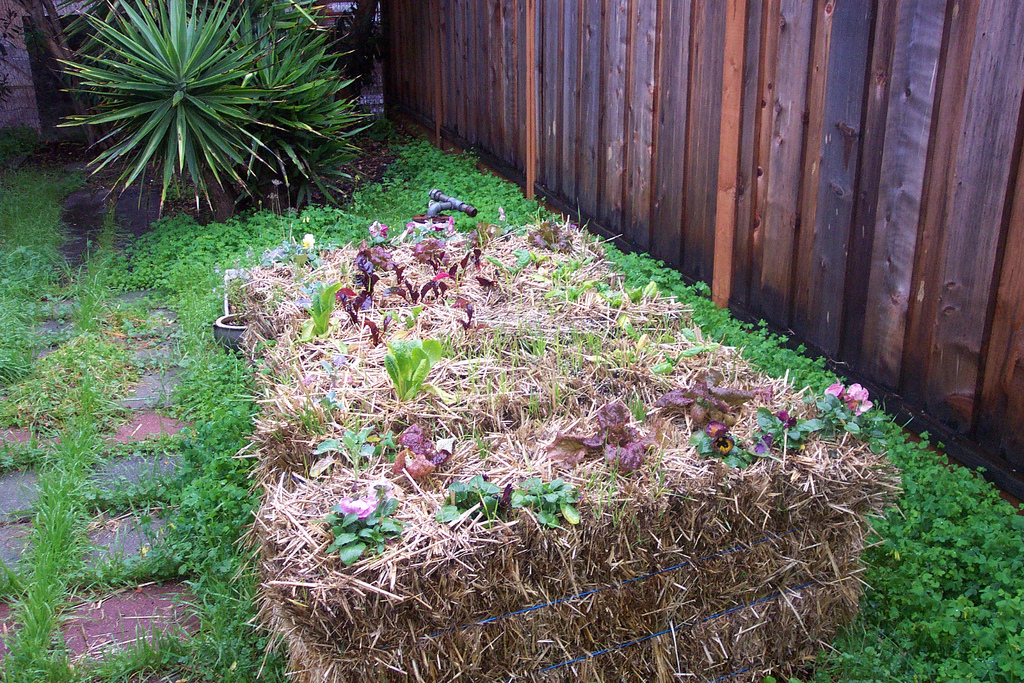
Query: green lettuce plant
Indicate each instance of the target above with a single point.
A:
(409, 362)
(320, 308)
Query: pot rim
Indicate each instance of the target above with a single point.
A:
(221, 322)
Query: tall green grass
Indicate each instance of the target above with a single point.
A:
(30, 261)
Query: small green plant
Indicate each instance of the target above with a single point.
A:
(478, 496)
(548, 501)
(321, 307)
(409, 362)
(361, 524)
(357, 447)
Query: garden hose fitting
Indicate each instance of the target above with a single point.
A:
(441, 202)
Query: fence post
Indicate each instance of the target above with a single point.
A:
(729, 150)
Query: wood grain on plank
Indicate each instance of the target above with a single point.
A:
(667, 198)
(892, 224)
(729, 149)
(531, 97)
(765, 120)
(1002, 396)
(589, 189)
(613, 113)
(705, 106)
(640, 121)
(780, 215)
(982, 174)
(827, 221)
(570, 100)
(747, 171)
(550, 88)
(954, 69)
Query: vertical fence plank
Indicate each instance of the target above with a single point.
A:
(1002, 397)
(457, 84)
(612, 151)
(704, 107)
(824, 239)
(550, 79)
(872, 138)
(954, 69)
(492, 71)
(765, 119)
(729, 149)
(739, 288)
(910, 103)
(982, 172)
(780, 215)
(640, 121)
(667, 206)
(570, 100)
(438, 67)
(530, 110)
(590, 106)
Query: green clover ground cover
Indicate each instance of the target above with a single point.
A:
(946, 593)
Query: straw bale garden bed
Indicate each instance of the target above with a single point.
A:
(485, 458)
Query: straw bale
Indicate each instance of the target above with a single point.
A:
(747, 571)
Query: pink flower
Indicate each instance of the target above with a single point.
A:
(835, 390)
(857, 393)
(857, 399)
(378, 230)
(501, 214)
(362, 507)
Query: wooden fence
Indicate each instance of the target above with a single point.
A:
(847, 170)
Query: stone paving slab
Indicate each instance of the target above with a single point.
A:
(148, 425)
(122, 538)
(16, 435)
(134, 297)
(153, 391)
(116, 620)
(18, 493)
(157, 354)
(133, 470)
(13, 543)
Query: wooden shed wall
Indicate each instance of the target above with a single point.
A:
(847, 170)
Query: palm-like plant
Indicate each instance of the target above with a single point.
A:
(245, 95)
(175, 85)
(306, 121)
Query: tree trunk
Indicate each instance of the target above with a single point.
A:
(220, 197)
(46, 20)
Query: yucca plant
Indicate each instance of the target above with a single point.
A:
(307, 123)
(175, 86)
(223, 96)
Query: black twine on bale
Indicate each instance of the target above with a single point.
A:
(737, 608)
(584, 594)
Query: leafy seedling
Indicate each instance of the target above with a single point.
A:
(548, 501)
(409, 362)
(615, 438)
(321, 307)
(484, 499)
